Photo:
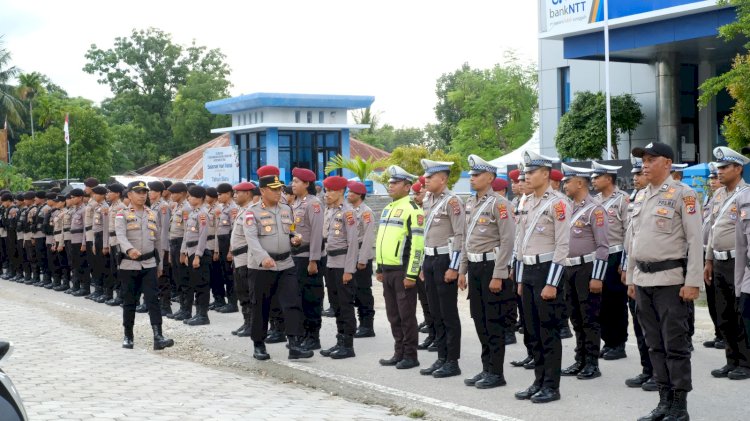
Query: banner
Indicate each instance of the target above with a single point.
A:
(221, 165)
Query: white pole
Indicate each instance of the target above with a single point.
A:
(67, 169)
(606, 79)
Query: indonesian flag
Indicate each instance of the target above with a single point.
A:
(65, 129)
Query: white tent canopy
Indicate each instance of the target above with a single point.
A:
(516, 157)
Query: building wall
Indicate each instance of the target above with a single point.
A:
(586, 75)
(289, 115)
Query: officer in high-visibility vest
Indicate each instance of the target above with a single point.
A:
(399, 249)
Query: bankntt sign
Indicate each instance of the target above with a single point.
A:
(568, 13)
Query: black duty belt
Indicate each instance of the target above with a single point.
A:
(66, 229)
(239, 251)
(653, 267)
(89, 227)
(339, 252)
(279, 257)
(76, 231)
(141, 257)
(301, 249)
(210, 237)
(191, 243)
(57, 232)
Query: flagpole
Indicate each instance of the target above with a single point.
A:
(67, 169)
(606, 79)
(66, 129)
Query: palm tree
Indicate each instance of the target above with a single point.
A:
(360, 167)
(10, 105)
(30, 84)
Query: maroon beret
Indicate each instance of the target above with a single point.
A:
(556, 175)
(357, 187)
(244, 186)
(416, 187)
(303, 174)
(499, 184)
(335, 182)
(267, 170)
(513, 175)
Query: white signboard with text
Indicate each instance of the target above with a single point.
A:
(221, 165)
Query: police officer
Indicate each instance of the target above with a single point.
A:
(9, 226)
(614, 308)
(88, 224)
(428, 325)
(500, 186)
(215, 275)
(644, 380)
(196, 255)
(342, 251)
(666, 229)
(363, 300)
(720, 256)
(39, 239)
(81, 285)
(137, 230)
(267, 228)
(238, 255)
(585, 270)
(741, 265)
(163, 213)
(49, 230)
(226, 214)
(485, 254)
(65, 247)
(306, 251)
(713, 184)
(99, 257)
(25, 238)
(179, 214)
(112, 282)
(444, 233)
(399, 247)
(541, 249)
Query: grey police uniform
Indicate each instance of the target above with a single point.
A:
(742, 260)
(195, 243)
(240, 253)
(308, 226)
(364, 300)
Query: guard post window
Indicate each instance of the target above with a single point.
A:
(564, 90)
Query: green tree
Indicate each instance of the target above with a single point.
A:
(366, 116)
(736, 81)
(11, 108)
(389, 138)
(30, 85)
(90, 149)
(487, 112)
(409, 158)
(191, 122)
(582, 132)
(11, 179)
(144, 72)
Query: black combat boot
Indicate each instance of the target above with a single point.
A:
(590, 370)
(573, 370)
(259, 351)
(678, 410)
(296, 350)
(142, 307)
(160, 342)
(329, 351)
(427, 342)
(666, 395)
(230, 306)
(218, 302)
(54, 282)
(127, 341)
(449, 369)
(64, 284)
(275, 336)
(83, 290)
(312, 341)
(166, 308)
(201, 317)
(365, 329)
(346, 350)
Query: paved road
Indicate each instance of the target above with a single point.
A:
(361, 378)
(71, 373)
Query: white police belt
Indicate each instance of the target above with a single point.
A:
(536, 259)
(480, 257)
(436, 251)
(575, 261)
(615, 249)
(724, 255)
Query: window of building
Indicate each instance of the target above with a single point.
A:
(564, 90)
(321, 117)
(333, 116)
(309, 117)
(297, 116)
(261, 116)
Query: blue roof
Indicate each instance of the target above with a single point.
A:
(263, 99)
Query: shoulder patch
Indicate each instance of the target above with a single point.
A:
(316, 207)
(453, 202)
(420, 220)
(202, 218)
(350, 218)
(599, 216)
(367, 217)
(560, 210)
(689, 204)
(502, 209)
(249, 217)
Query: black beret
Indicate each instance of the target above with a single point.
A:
(29, 195)
(51, 196)
(224, 188)
(41, 194)
(197, 191)
(166, 183)
(91, 182)
(76, 193)
(68, 196)
(178, 187)
(189, 185)
(116, 188)
(157, 186)
(211, 192)
(99, 190)
(6, 197)
(19, 196)
(60, 198)
(256, 191)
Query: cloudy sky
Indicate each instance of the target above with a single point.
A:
(393, 50)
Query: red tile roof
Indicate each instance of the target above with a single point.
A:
(189, 166)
